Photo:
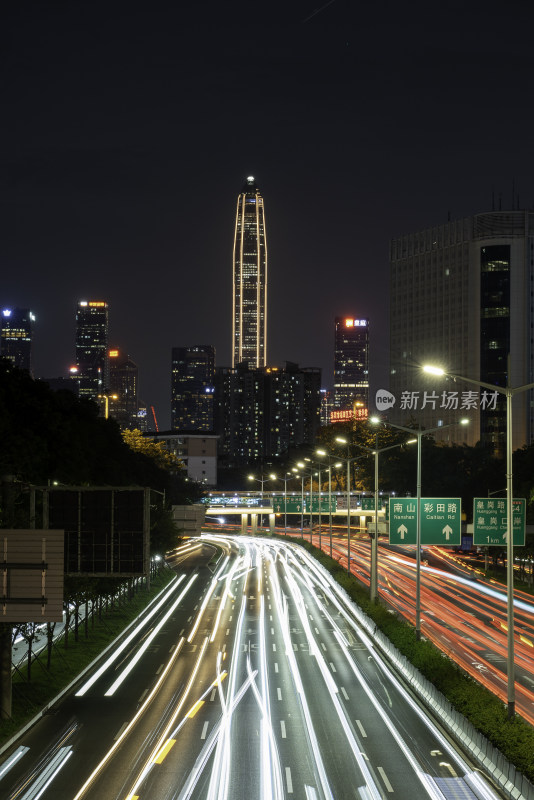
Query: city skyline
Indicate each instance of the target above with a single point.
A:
(126, 136)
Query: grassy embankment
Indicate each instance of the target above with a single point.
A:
(29, 697)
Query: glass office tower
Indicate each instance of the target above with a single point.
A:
(16, 337)
(249, 316)
(92, 347)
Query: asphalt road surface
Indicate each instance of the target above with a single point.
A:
(250, 680)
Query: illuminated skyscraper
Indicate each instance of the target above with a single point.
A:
(16, 336)
(92, 347)
(351, 363)
(123, 383)
(249, 318)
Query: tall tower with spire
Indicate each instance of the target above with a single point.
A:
(249, 317)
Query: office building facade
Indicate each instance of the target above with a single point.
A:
(123, 389)
(462, 297)
(192, 388)
(249, 310)
(92, 363)
(351, 363)
(262, 413)
(16, 337)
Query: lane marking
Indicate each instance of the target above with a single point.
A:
(332, 667)
(361, 728)
(289, 782)
(124, 724)
(283, 729)
(276, 666)
(143, 696)
(158, 758)
(385, 778)
(159, 669)
(204, 730)
(274, 648)
(279, 693)
(272, 631)
(213, 694)
(323, 646)
(344, 693)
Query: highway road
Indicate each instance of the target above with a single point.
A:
(461, 612)
(250, 679)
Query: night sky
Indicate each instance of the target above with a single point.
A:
(128, 130)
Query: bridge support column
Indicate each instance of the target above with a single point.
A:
(244, 520)
(271, 524)
(254, 524)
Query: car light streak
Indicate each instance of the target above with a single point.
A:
(135, 633)
(207, 598)
(19, 752)
(49, 773)
(220, 774)
(283, 614)
(132, 722)
(372, 790)
(202, 759)
(165, 734)
(229, 578)
(148, 641)
(470, 777)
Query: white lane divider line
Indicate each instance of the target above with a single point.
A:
(289, 781)
(283, 729)
(385, 778)
(204, 730)
(361, 728)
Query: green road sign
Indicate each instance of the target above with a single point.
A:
(368, 503)
(292, 504)
(402, 520)
(490, 522)
(324, 504)
(441, 520)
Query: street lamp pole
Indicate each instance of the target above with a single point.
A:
(419, 433)
(509, 392)
(330, 459)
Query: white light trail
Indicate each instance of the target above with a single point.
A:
(148, 641)
(57, 763)
(124, 644)
(19, 752)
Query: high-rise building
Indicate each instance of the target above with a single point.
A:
(263, 413)
(462, 296)
(351, 363)
(192, 388)
(16, 337)
(92, 347)
(249, 313)
(123, 389)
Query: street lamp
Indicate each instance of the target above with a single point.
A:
(106, 398)
(342, 440)
(288, 477)
(373, 584)
(330, 459)
(419, 433)
(262, 480)
(509, 392)
(302, 467)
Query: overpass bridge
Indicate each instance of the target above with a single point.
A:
(251, 505)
